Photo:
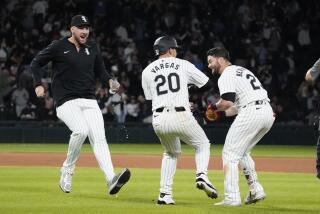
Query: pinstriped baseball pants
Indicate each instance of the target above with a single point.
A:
(171, 127)
(251, 124)
(84, 118)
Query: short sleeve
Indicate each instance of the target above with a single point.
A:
(226, 82)
(195, 76)
(315, 70)
(145, 86)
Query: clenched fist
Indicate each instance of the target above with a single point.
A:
(40, 92)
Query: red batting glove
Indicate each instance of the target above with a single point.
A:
(212, 114)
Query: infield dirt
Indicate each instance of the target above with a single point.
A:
(268, 164)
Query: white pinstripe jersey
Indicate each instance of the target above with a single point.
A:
(315, 70)
(244, 83)
(165, 82)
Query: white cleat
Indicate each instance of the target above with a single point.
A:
(118, 181)
(165, 199)
(203, 183)
(254, 197)
(228, 203)
(66, 181)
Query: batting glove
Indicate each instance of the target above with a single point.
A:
(212, 114)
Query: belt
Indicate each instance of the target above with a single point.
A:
(178, 109)
(257, 102)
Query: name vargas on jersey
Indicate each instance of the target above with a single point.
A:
(165, 65)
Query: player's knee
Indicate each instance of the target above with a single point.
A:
(230, 156)
(81, 133)
(173, 154)
(205, 145)
(201, 145)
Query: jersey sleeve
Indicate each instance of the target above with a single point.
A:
(315, 70)
(146, 86)
(41, 59)
(195, 76)
(226, 82)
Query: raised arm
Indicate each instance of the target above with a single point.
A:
(40, 60)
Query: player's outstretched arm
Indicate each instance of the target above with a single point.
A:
(222, 105)
(232, 111)
(221, 108)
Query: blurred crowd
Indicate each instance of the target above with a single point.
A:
(278, 40)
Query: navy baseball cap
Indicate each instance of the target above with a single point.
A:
(80, 21)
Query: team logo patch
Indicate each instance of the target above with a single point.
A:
(87, 51)
(84, 18)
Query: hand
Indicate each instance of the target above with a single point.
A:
(114, 86)
(40, 91)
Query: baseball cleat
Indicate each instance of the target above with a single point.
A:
(203, 183)
(228, 203)
(253, 198)
(165, 199)
(65, 181)
(118, 181)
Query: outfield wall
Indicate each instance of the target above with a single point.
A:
(44, 132)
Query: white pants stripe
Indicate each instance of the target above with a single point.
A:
(171, 127)
(84, 118)
(251, 124)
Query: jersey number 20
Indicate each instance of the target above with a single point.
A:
(253, 82)
(161, 81)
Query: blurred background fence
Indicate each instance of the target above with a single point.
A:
(56, 132)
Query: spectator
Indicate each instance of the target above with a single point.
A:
(20, 98)
(132, 110)
(304, 35)
(118, 103)
(49, 110)
(263, 30)
(29, 112)
(104, 103)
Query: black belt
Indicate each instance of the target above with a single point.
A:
(178, 109)
(257, 102)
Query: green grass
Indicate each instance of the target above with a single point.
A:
(156, 149)
(35, 190)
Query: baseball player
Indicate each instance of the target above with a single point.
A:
(77, 63)
(311, 75)
(242, 94)
(165, 82)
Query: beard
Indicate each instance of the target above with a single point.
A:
(81, 40)
(216, 68)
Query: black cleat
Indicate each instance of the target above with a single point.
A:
(118, 181)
